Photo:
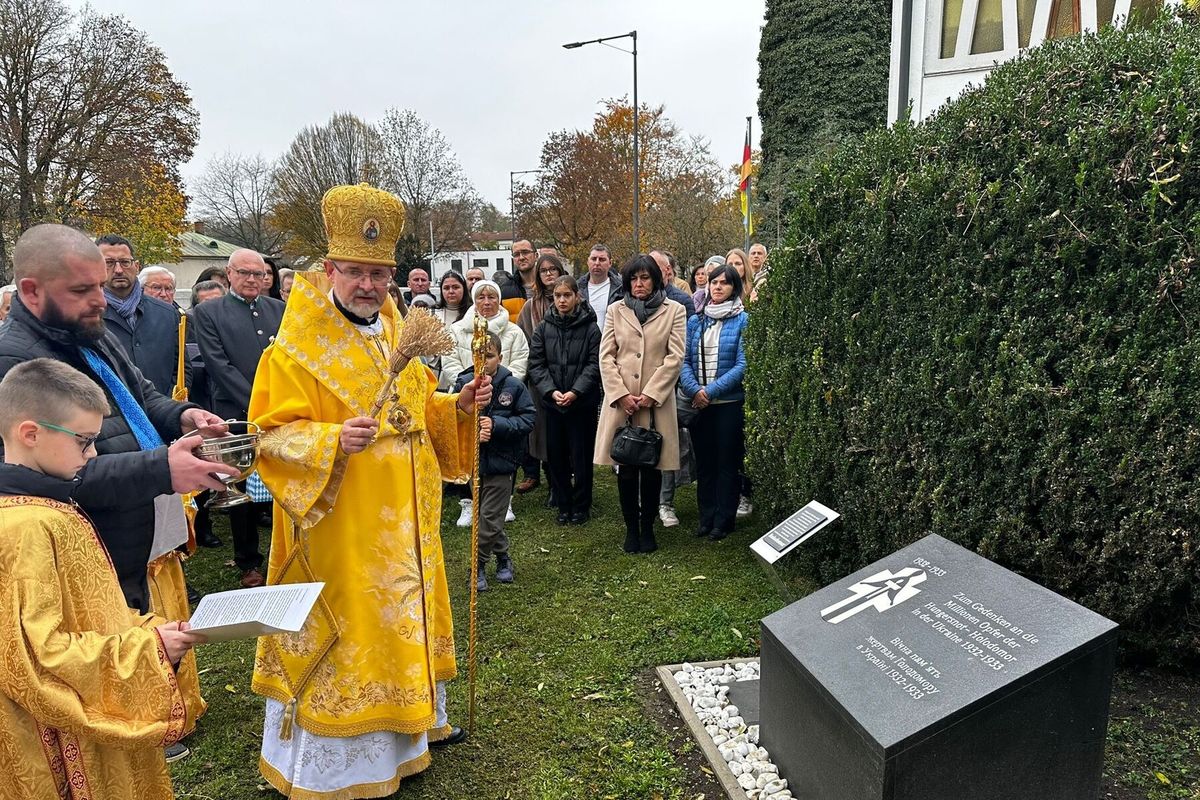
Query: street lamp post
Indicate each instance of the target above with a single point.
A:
(637, 164)
(512, 198)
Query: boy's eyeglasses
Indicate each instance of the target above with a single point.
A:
(84, 441)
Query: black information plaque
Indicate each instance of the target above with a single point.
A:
(935, 674)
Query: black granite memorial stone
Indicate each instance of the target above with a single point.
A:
(935, 674)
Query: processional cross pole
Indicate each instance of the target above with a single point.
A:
(479, 343)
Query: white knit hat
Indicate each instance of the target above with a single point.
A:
(495, 287)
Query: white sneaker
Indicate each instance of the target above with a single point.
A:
(745, 509)
(509, 516)
(464, 519)
(667, 515)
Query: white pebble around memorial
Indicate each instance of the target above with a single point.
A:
(707, 690)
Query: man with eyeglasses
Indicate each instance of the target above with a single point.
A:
(146, 327)
(358, 504)
(524, 257)
(159, 283)
(232, 332)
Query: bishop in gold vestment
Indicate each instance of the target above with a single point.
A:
(355, 696)
(88, 698)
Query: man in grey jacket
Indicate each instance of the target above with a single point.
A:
(59, 313)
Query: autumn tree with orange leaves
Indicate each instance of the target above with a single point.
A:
(146, 207)
(90, 110)
(584, 193)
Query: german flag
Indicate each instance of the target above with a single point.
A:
(744, 186)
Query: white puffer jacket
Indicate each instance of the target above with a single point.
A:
(514, 347)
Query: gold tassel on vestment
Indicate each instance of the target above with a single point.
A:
(289, 717)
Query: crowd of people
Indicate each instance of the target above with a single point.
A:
(636, 345)
(551, 330)
(108, 386)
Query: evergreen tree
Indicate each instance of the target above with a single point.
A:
(823, 76)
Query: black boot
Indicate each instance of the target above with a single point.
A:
(633, 542)
(648, 543)
(627, 492)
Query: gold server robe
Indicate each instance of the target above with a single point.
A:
(88, 699)
(367, 524)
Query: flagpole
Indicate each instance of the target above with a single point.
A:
(749, 204)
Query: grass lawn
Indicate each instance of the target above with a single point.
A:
(567, 707)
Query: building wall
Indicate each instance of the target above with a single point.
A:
(940, 47)
(489, 260)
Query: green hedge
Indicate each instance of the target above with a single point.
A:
(983, 327)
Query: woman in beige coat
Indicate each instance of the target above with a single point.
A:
(641, 353)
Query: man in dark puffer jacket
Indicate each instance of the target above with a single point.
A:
(58, 313)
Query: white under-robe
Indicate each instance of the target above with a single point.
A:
(313, 765)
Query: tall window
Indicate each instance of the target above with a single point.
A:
(989, 27)
(986, 21)
(1065, 19)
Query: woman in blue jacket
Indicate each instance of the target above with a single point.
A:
(712, 375)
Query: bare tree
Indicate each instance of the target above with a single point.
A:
(422, 169)
(85, 101)
(234, 196)
(345, 150)
(693, 211)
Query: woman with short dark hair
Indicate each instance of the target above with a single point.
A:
(712, 375)
(641, 351)
(217, 274)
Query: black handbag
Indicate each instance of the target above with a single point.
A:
(634, 446)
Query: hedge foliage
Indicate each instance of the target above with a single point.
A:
(823, 77)
(985, 328)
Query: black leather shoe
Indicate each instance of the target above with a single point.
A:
(702, 533)
(192, 595)
(457, 735)
(563, 518)
(579, 518)
(176, 752)
(207, 539)
(717, 536)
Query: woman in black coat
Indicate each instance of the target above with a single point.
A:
(564, 371)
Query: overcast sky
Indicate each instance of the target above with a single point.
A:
(492, 75)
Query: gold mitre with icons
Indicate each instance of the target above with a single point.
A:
(362, 224)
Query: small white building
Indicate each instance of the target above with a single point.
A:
(939, 47)
(461, 261)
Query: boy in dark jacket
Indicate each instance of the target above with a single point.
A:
(503, 428)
